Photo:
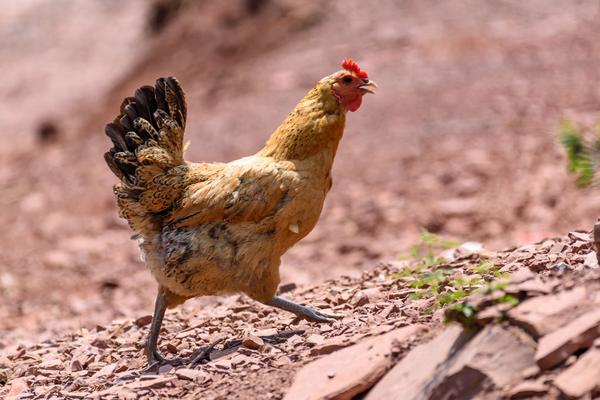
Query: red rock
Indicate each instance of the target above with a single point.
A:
(76, 366)
(101, 343)
(581, 378)
(495, 354)
(191, 374)
(266, 332)
(315, 339)
(583, 236)
(329, 346)
(544, 314)
(152, 383)
(557, 346)
(75, 395)
(360, 299)
(535, 285)
(53, 364)
(287, 287)
(107, 370)
(531, 372)
(413, 373)
(374, 294)
(347, 372)
(18, 386)
(492, 313)
(590, 260)
(389, 310)
(447, 365)
(239, 359)
(222, 364)
(556, 248)
(185, 334)
(171, 348)
(5, 362)
(527, 390)
(143, 321)
(253, 342)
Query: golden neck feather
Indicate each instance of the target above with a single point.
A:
(316, 124)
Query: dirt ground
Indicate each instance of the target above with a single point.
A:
(532, 333)
(460, 139)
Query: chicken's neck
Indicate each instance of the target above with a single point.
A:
(313, 128)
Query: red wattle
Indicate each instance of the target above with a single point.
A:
(354, 103)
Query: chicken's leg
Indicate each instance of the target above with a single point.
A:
(302, 312)
(155, 359)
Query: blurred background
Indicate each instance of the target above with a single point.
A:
(461, 138)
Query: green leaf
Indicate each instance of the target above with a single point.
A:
(579, 153)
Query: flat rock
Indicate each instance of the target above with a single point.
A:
(413, 374)
(495, 356)
(266, 332)
(18, 386)
(451, 367)
(582, 236)
(534, 286)
(590, 260)
(557, 346)
(53, 364)
(253, 342)
(528, 389)
(191, 374)
(153, 383)
(143, 321)
(521, 275)
(315, 339)
(329, 346)
(350, 371)
(107, 370)
(541, 315)
(581, 378)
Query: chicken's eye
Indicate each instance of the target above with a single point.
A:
(347, 79)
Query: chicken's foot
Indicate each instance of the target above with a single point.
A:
(155, 359)
(302, 312)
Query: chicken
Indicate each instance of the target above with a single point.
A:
(221, 228)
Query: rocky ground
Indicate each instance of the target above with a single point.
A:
(530, 328)
(460, 140)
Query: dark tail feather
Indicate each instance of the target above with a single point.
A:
(136, 127)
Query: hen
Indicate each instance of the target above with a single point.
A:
(221, 228)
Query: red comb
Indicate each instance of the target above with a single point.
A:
(353, 67)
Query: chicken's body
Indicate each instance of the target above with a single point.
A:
(234, 221)
(220, 228)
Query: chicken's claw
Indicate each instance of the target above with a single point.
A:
(204, 352)
(155, 360)
(303, 312)
(159, 361)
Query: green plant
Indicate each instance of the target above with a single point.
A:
(428, 247)
(581, 154)
(466, 313)
(508, 299)
(432, 277)
(463, 313)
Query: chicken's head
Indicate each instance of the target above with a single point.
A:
(350, 84)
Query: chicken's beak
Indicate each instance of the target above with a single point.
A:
(368, 87)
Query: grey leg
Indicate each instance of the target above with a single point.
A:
(154, 357)
(302, 312)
